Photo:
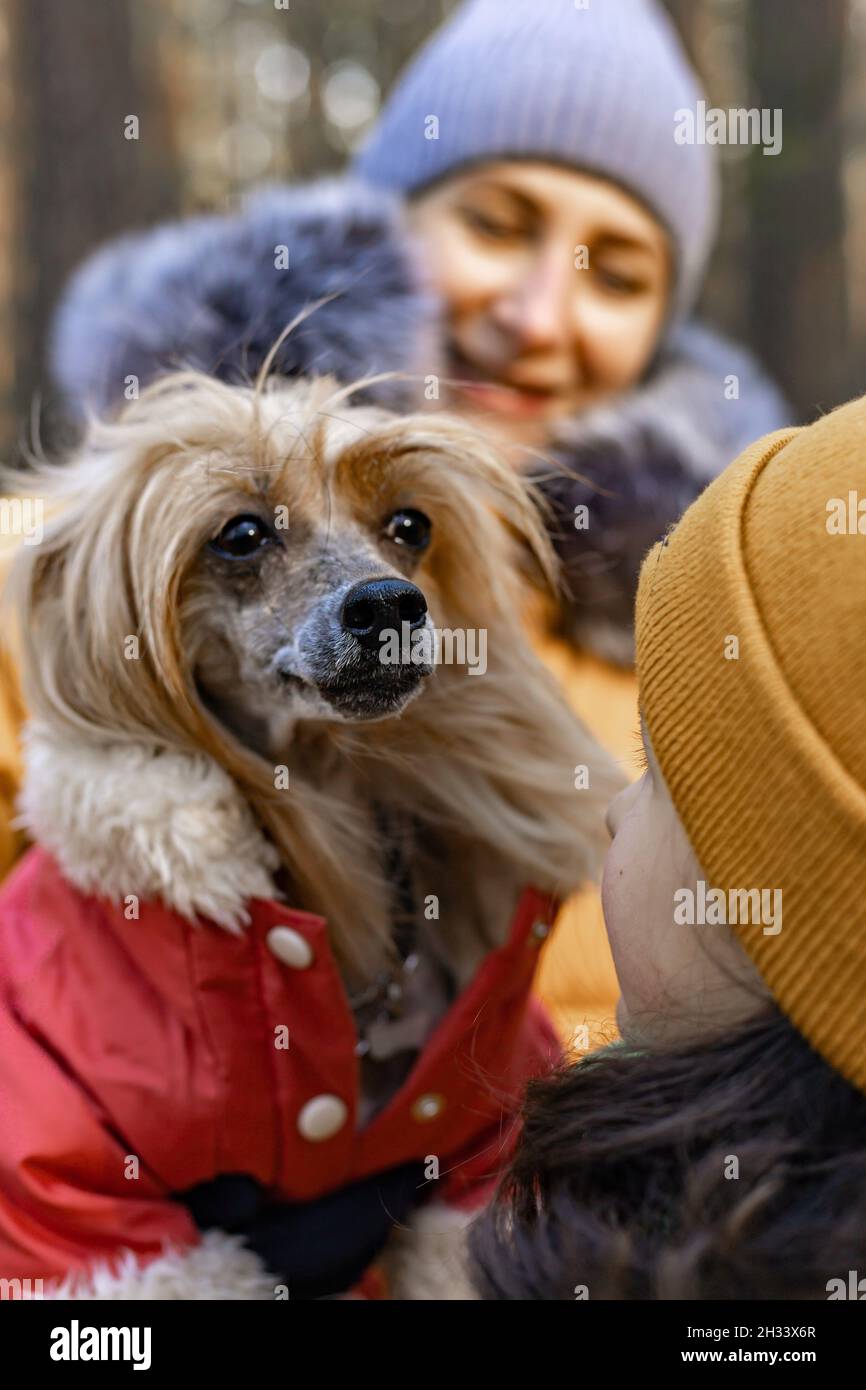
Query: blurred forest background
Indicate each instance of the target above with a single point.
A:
(231, 93)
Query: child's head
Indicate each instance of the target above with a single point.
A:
(720, 1149)
(752, 673)
(555, 212)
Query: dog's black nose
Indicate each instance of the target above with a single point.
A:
(377, 605)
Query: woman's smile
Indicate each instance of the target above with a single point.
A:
(494, 391)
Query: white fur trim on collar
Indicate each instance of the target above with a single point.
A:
(218, 1268)
(126, 820)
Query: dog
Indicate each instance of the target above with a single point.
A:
(259, 783)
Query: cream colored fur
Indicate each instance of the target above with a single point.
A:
(219, 1268)
(427, 1260)
(125, 820)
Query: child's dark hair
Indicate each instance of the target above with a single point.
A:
(624, 1182)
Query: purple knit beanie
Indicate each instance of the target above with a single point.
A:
(595, 85)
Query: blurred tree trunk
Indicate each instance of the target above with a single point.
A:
(78, 72)
(686, 15)
(796, 258)
(310, 150)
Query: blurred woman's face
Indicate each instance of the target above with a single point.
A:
(555, 285)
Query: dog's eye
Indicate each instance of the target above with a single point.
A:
(241, 537)
(410, 528)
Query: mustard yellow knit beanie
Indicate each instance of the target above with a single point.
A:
(751, 653)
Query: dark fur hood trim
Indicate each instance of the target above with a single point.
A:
(636, 464)
(206, 293)
(630, 494)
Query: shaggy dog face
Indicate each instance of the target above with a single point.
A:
(302, 622)
(327, 535)
(290, 605)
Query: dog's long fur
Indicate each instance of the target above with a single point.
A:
(484, 764)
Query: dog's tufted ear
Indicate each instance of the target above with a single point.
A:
(216, 292)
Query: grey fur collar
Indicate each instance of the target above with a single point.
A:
(215, 293)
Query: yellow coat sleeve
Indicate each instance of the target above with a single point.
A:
(576, 977)
(12, 841)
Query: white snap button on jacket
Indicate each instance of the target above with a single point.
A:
(540, 930)
(322, 1117)
(428, 1107)
(290, 947)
